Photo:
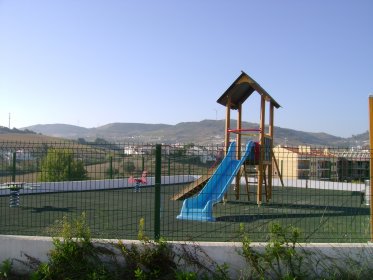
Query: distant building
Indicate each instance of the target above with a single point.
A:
(21, 155)
(201, 153)
(144, 150)
(305, 162)
(353, 165)
(137, 150)
(130, 150)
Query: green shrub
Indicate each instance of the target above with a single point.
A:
(150, 260)
(73, 256)
(5, 269)
(280, 259)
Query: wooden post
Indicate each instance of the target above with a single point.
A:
(261, 142)
(227, 124)
(279, 172)
(227, 133)
(270, 167)
(238, 136)
(371, 163)
(238, 150)
(247, 183)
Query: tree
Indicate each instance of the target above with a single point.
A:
(60, 165)
(82, 141)
(130, 167)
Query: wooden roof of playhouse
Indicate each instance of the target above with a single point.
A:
(241, 89)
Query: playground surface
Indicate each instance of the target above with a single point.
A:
(322, 215)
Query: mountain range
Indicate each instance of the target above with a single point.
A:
(203, 132)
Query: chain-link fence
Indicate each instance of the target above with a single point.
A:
(188, 192)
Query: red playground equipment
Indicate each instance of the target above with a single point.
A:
(139, 181)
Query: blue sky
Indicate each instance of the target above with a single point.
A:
(89, 63)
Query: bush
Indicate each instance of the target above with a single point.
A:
(5, 269)
(280, 259)
(73, 256)
(60, 165)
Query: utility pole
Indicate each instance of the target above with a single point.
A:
(9, 121)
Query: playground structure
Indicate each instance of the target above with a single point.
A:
(214, 185)
(233, 98)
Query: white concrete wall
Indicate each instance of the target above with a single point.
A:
(17, 248)
(92, 185)
(313, 184)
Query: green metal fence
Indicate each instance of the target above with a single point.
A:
(322, 194)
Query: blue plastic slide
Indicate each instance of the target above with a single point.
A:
(199, 208)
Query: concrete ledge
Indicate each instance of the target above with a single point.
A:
(17, 248)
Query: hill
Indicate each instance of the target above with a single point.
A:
(5, 130)
(59, 130)
(27, 138)
(203, 132)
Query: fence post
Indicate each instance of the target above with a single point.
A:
(69, 169)
(169, 166)
(14, 167)
(371, 163)
(111, 168)
(157, 197)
